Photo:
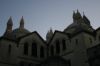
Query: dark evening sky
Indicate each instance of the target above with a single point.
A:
(40, 15)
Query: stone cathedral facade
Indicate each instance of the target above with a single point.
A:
(76, 45)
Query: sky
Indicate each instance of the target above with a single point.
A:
(41, 15)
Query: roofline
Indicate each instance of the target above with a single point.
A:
(71, 36)
(19, 39)
(56, 31)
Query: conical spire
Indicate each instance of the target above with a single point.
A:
(8, 31)
(78, 15)
(10, 23)
(78, 11)
(21, 23)
(86, 20)
(73, 14)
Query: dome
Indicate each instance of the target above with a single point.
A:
(72, 25)
(79, 24)
(75, 27)
(20, 32)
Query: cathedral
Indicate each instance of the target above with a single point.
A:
(76, 45)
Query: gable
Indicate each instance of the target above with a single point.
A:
(58, 35)
(33, 37)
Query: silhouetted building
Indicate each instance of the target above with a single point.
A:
(77, 45)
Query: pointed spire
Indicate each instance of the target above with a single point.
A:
(9, 24)
(83, 13)
(9, 28)
(22, 23)
(51, 30)
(77, 16)
(10, 21)
(73, 14)
(78, 13)
(86, 20)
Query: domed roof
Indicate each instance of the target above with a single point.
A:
(20, 32)
(79, 24)
(72, 25)
(75, 27)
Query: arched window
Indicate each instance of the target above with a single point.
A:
(9, 49)
(41, 52)
(52, 50)
(26, 48)
(57, 46)
(34, 49)
(63, 44)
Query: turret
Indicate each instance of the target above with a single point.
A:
(20, 31)
(49, 35)
(8, 31)
(9, 25)
(74, 16)
(77, 17)
(21, 23)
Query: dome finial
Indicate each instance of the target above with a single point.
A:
(22, 22)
